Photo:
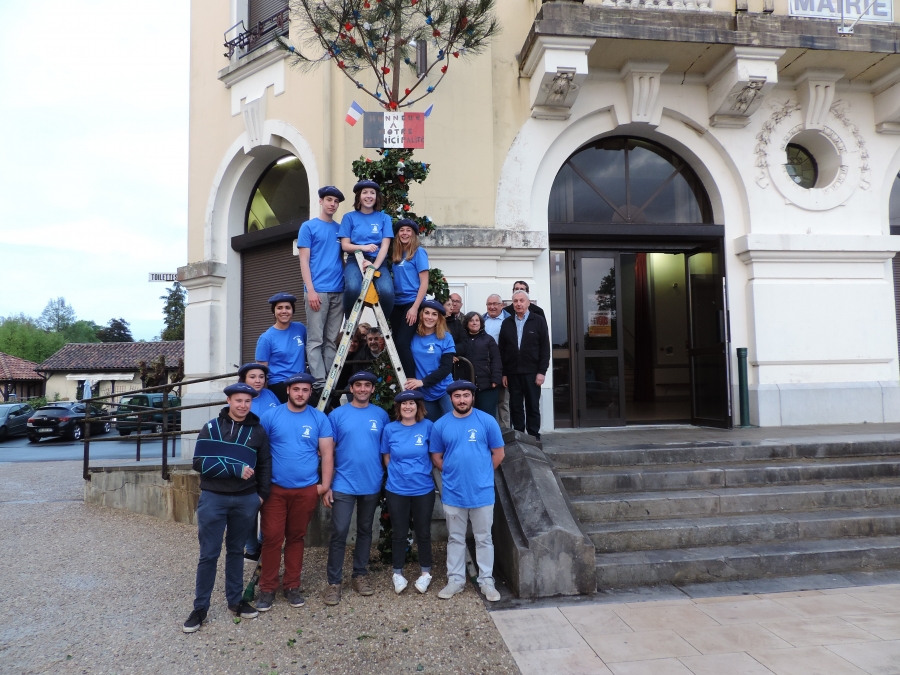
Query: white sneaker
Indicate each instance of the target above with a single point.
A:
(423, 582)
(451, 589)
(400, 583)
(491, 594)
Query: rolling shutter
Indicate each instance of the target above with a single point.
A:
(260, 10)
(895, 263)
(266, 270)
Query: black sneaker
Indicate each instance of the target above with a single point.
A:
(192, 625)
(252, 556)
(244, 610)
(264, 601)
(294, 598)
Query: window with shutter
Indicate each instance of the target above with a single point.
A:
(258, 12)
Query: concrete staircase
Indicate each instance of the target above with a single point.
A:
(710, 511)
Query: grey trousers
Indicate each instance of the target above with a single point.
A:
(322, 328)
(482, 520)
(503, 408)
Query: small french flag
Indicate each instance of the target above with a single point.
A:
(428, 111)
(354, 113)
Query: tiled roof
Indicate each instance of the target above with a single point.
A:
(112, 355)
(14, 368)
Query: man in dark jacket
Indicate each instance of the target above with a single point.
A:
(533, 308)
(235, 466)
(525, 352)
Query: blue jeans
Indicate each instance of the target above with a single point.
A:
(233, 516)
(403, 335)
(353, 285)
(341, 513)
(254, 539)
(435, 410)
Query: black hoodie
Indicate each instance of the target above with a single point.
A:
(261, 481)
(484, 354)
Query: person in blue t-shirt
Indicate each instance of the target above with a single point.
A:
(368, 229)
(410, 267)
(298, 434)
(322, 266)
(282, 348)
(433, 349)
(254, 374)
(358, 474)
(410, 485)
(467, 446)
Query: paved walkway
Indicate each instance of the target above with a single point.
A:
(837, 631)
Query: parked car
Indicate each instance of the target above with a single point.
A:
(129, 406)
(64, 419)
(13, 419)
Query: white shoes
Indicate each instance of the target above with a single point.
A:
(451, 589)
(491, 594)
(400, 583)
(423, 582)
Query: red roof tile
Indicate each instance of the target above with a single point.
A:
(13, 368)
(112, 355)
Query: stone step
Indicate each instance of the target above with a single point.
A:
(712, 452)
(724, 501)
(691, 476)
(649, 535)
(724, 563)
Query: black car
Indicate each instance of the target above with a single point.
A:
(152, 421)
(13, 418)
(64, 419)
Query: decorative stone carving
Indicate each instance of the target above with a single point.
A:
(737, 85)
(254, 114)
(815, 88)
(642, 80)
(557, 67)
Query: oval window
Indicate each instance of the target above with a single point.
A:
(801, 166)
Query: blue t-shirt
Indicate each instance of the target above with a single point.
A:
(406, 276)
(427, 352)
(468, 474)
(294, 440)
(357, 451)
(409, 471)
(362, 228)
(325, 258)
(283, 350)
(262, 403)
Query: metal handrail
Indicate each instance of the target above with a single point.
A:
(251, 36)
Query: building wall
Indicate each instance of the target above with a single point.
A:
(66, 390)
(809, 280)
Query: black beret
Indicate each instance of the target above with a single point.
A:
(461, 384)
(406, 222)
(247, 367)
(363, 184)
(363, 376)
(282, 297)
(300, 378)
(433, 304)
(240, 388)
(331, 191)
(409, 395)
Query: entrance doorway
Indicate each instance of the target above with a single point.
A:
(636, 262)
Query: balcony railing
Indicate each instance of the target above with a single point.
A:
(260, 33)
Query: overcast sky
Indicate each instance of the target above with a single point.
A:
(93, 161)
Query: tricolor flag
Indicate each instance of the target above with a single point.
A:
(428, 111)
(354, 113)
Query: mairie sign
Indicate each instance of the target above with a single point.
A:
(393, 130)
(868, 10)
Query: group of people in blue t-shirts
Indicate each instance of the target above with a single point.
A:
(282, 462)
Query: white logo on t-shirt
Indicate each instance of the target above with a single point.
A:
(306, 430)
(472, 433)
(375, 227)
(402, 262)
(431, 348)
(374, 426)
(420, 439)
(299, 340)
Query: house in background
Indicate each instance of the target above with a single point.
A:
(110, 367)
(19, 379)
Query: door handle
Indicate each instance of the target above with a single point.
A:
(721, 314)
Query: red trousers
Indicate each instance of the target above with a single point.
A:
(285, 517)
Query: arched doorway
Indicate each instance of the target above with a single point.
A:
(637, 261)
(278, 205)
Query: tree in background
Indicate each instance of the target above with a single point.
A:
(81, 331)
(57, 316)
(173, 312)
(117, 330)
(20, 336)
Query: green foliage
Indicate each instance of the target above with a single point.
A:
(437, 285)
(387, 386)
(57, 315)
(117, 330)
(381, 38)
(81, 331)
(173, 312)
(20, 336)
(395, 172)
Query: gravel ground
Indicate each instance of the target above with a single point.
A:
(94, 590)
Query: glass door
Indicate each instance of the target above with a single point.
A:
(599, 358)
(708, 337)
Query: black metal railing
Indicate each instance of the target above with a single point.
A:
(260, 33)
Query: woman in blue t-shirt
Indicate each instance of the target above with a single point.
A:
(369, 230)
(410, 485)
(410, 266)
(433, 349)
